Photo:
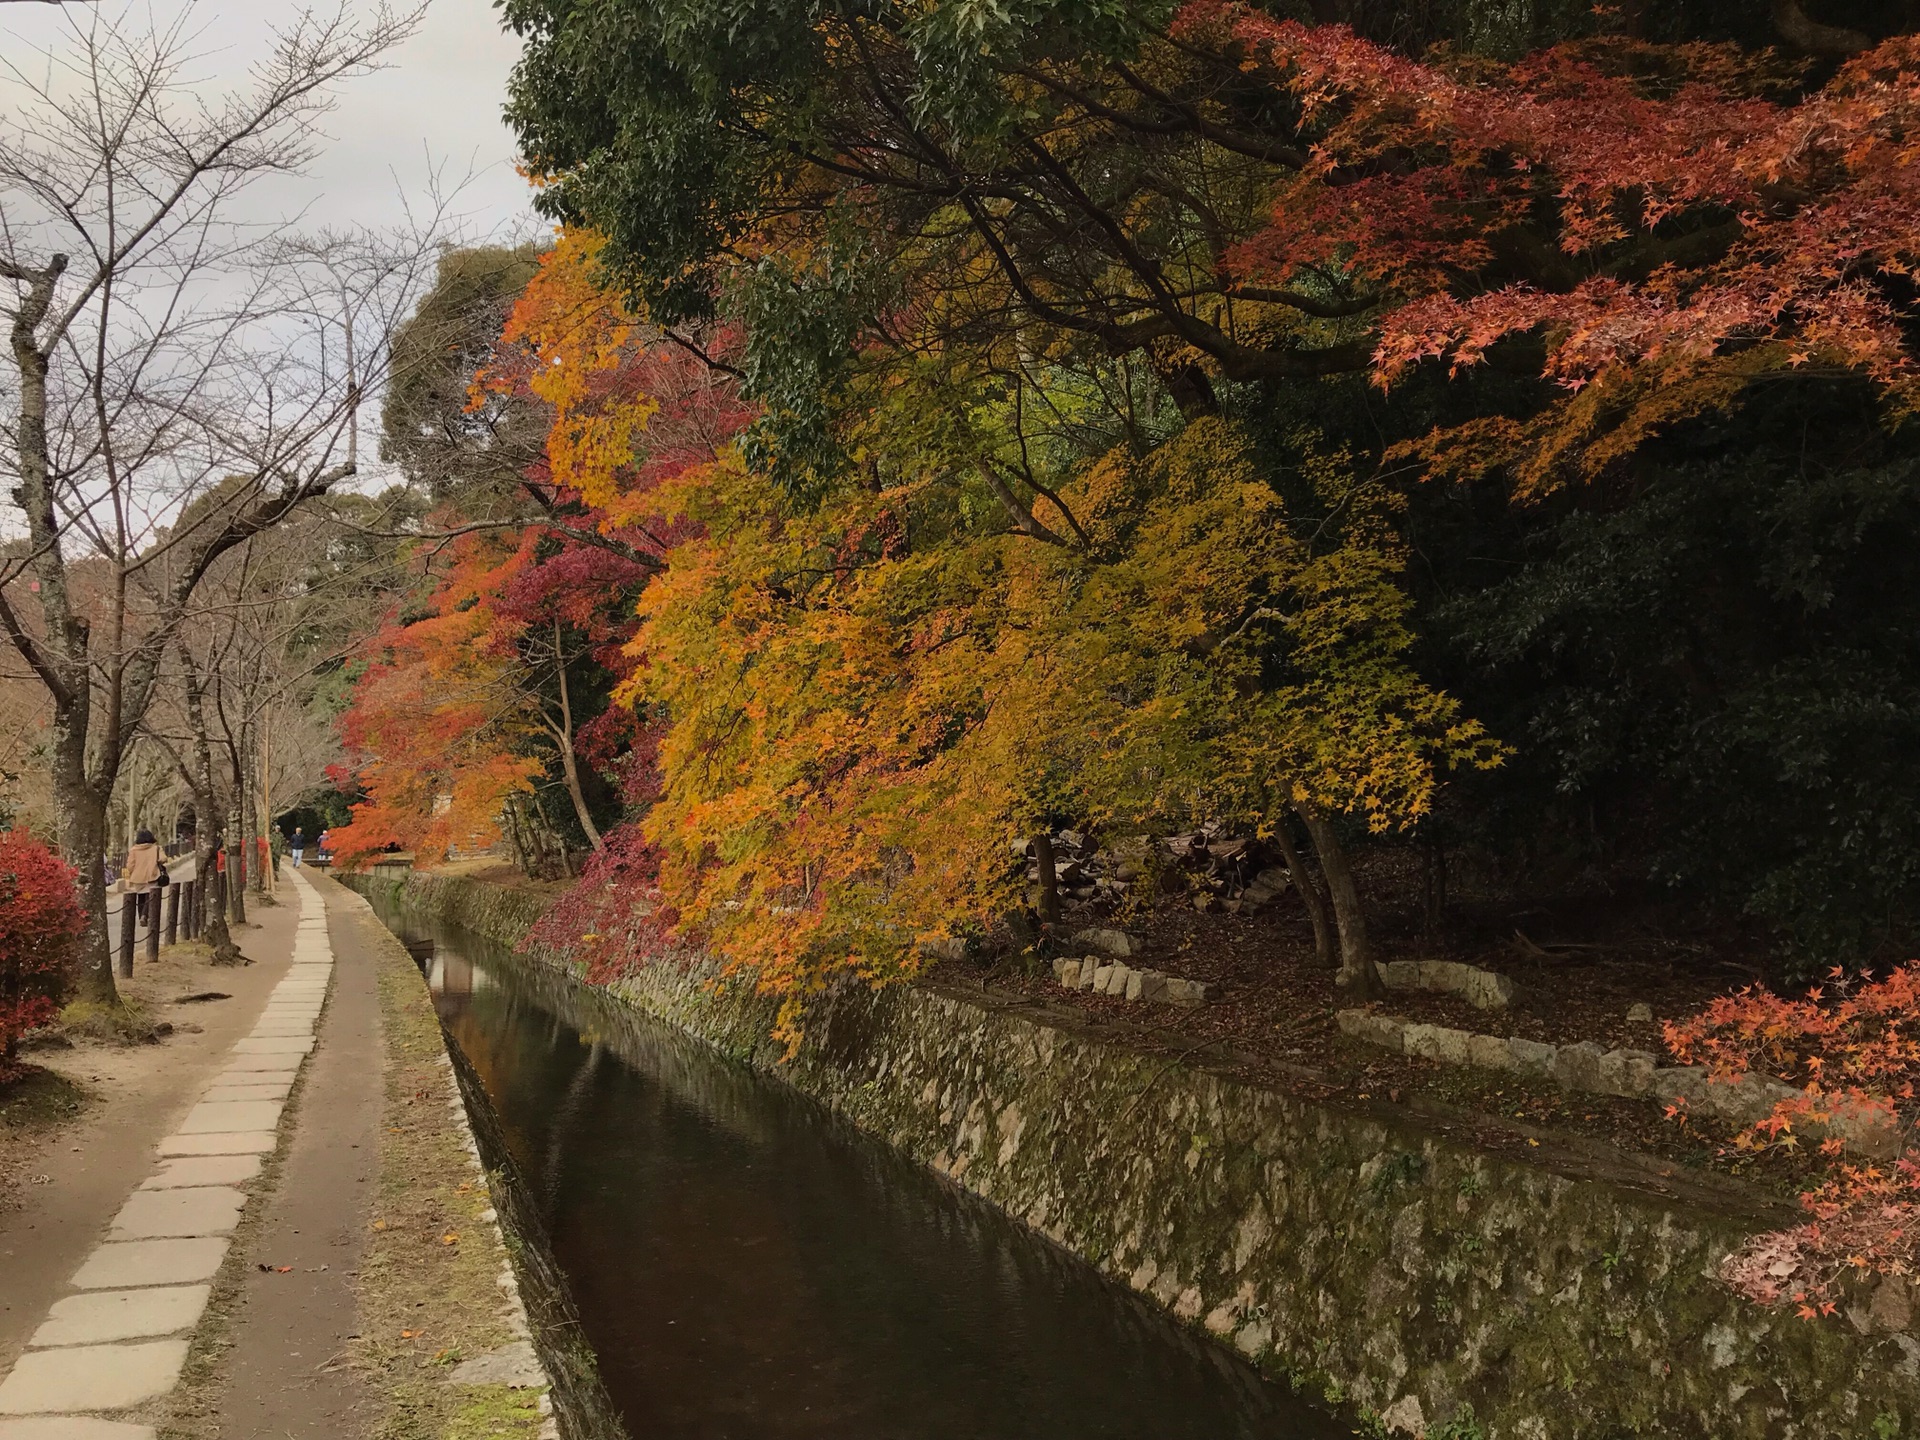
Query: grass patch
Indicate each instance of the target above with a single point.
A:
(428, 1291)
(127, 1023)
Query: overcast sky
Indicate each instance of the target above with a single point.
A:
(440, 98)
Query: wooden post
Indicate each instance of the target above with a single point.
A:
(187, 928)
(153, 922)
(126, 934)
(173, 913)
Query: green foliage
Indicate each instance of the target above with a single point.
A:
(428, 427)
(1710, 678)
(1460, 1425)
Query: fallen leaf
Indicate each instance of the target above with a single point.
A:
(449, 1238)
(409, 1334)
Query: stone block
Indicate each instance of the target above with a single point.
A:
(1067, 972)
(1101, 975)
(285, 1064)
(1491, 1052)
(1626, 1072)
(1108, 942)
(1577, 1066)
(124, 1265)
(196, 1210)
(245, 1142)
(193, 1170)
(71, 1427)
(91, 1377)
(1153, 987)
(1640, 1013)
(1487, 989)
(274, 1045)
(1531, 1056)
(1136, 985)
(223, 1117)
(1372, 1029)
(1400, 974)
(97, 1317)
(1117, 979)
(514, 1365)
(228, 1094)
(1186, 992)
(1436, 1042)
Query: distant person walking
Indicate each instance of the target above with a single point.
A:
(298, 845)
(144, 869)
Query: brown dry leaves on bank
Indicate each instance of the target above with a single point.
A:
(428, 1292)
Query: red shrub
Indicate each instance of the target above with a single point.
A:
(40, 926)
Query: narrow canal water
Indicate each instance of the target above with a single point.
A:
(748, 1268)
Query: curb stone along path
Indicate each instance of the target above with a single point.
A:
(118, 1341)
(516, 1364)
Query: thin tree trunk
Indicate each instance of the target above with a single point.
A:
(1358, 976)
(563, 737)
(1049, 906)
(1324, 946)
(206, 805)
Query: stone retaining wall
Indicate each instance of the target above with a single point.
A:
(1379, 1257)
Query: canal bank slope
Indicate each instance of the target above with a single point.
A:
(1375, 1254)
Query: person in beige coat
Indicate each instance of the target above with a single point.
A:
(144, 869)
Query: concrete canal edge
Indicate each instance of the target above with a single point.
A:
(1368, 1254)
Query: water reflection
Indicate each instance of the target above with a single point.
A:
(745, 1266)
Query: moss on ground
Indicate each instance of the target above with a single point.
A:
(429, 1296)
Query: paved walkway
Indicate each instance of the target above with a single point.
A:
(118, 1339)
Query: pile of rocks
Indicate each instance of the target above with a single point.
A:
(1105, 975)
(1236, 873)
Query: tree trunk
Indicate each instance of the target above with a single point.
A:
(563, 736)
(206, 806)
(1358, 976)
(1311, 895)
(1049, 906)
(236, 857)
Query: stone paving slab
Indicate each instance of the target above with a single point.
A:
(289, 1063)
(226, 1094)
(129, 1263)
(272, 1047)
(247, 1142)
(203, 1170)
(92, 1377)
(282, 1079)
(198, 1210)
(269, 1028)
(71, 1427)
(97, 1316)
(225, 1117)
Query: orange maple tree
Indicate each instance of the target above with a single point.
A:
(466, 705)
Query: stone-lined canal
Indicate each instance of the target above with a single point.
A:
(748, 1268)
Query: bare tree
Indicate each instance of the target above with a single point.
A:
(140, 441)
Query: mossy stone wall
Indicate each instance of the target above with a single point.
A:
(1384, 1261)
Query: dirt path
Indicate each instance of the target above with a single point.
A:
(80, 1175)
(290, 1371)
